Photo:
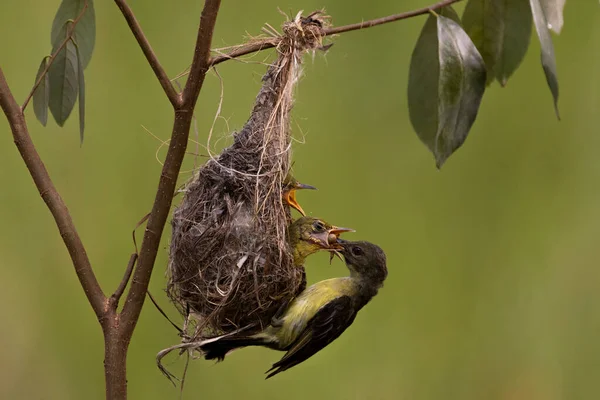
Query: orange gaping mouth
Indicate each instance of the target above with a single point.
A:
(290, 196)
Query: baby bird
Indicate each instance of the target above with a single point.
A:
(290, 186)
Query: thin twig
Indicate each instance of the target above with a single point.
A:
(156, 66)
(168, 178)
(140, 223)
(70, 33)
(164, 314)
(244, 49)
(264, 44)
(388, 19)
(52, 198)
(116, 296)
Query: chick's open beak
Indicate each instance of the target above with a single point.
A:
(290, 196)
(303, 186)
(328, 239)
(337, 231)
(290, 199)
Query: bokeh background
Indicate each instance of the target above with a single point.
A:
(494, 278)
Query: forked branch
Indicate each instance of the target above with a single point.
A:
(168, 178)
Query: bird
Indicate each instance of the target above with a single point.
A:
(306, 236)
(290, 186)
(318, 316)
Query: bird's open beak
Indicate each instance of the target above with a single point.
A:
(338, 230)
(290, 196)
(303, 186)
(328, 239)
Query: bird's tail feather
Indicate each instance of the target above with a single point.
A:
(218, 348)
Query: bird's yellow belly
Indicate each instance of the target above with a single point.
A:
(307, 304)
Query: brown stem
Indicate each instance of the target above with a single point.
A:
(168, 179)
(160, 73)
(119, 327)
(115, 358)
(201, 59)
(53, 201)
(70, 33)
(249, 48)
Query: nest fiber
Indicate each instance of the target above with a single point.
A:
(230, 265)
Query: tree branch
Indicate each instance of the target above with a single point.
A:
(52, 199)
(160, 73)
(70, 33)
(116, 296)
(168, 179)
(201, 59)
(264, 44)
(390, 18)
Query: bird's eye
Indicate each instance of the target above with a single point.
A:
(318, 226)
(357, 251)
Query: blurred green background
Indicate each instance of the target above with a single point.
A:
(494, 282)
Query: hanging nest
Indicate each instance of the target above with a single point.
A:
(230, 264)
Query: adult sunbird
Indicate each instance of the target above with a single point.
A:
(318, 316)
(290, 186)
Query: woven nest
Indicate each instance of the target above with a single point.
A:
(230, 264)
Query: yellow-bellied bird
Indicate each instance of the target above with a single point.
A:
(290, 186)
(318, 316)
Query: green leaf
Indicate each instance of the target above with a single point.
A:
(501, 31)
(449, 12)
(548, 59)
(423, 80)
(85, 30)
(41, 96)
(446, 83)
(553, 10)
(81, 83)
(64, 83)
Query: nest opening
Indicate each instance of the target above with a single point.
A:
(230, 264)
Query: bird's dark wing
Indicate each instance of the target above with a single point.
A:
(326, 326)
